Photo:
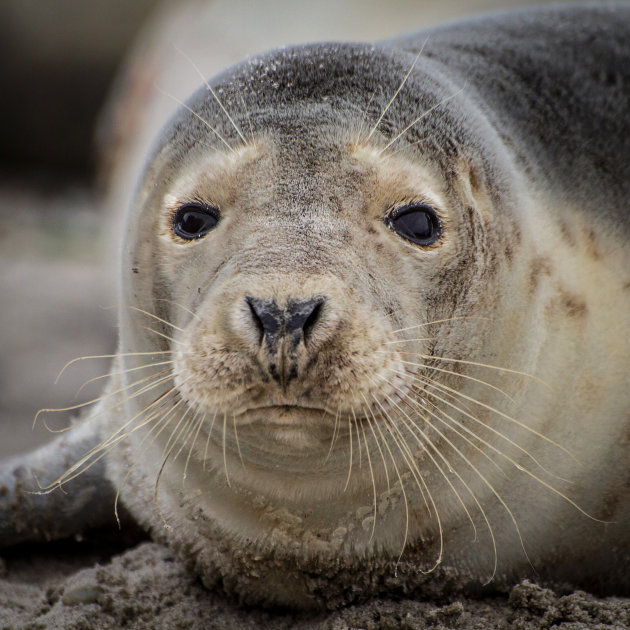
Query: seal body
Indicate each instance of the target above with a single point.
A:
(374, 316)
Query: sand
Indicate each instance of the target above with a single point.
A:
(95, 583)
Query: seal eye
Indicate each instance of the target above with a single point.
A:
(194, 220)
(417, 223)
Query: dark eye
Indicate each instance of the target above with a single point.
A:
(417, 223)
(194, 220)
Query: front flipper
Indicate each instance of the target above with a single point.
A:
(29, 514)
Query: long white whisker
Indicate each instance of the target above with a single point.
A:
(227, 476)
(238, 446)
(159, 319)
(179, 306)
(196, 115)
(216, 98)
(444, 371)
(402, 485)
(157, 332)
(369, 458)
(477, 364)
(205, 451)
(443, 387)
(109, 356)
(119, 372)
(432, 384)
(435, 321)
(426, 441)
(350, 458)
(417, 120)
(103, 397)
(393, 98)
(376, 441)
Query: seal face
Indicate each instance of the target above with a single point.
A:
(367, 317)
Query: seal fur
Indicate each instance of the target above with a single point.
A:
(370, 456)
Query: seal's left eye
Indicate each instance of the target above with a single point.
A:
(417, 223)
(194, 220)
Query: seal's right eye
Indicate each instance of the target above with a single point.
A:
(194, 220)
(417, 223)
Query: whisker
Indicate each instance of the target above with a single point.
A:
(396, 341)
(98, 399)
(393, 98)
(415, 471)
(159, 319)
(458, 433)
(163, 420)
(216, 98)
(370, 412)
(193, 425)
(495, 431)
(362, 123)
(484, 365)
(444, 371)
(238, 446)
(350, 458)
(119, 372)
(402, 485)
(227, 476)
(434, 383)
(356, 426)
(200, 423)
(109, 356)
(423, 445)
(205, 451)
(179, 343)
(174, 435)
(435, 321)
(408, 399)
(334, 436)
(491, 488)
(525, 470)
(101, 448)
(367, 452)
(196, 115)
(172, 440)
(180, 306)
(416, 121)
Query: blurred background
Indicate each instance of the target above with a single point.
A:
(81, 97)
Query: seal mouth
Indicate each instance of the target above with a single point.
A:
(282, 414)
(287, 414)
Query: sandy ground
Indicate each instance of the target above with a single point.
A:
(77, 585)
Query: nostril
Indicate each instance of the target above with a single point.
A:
(255, 318)
(304, 315)
(266, 316)
(311, 320)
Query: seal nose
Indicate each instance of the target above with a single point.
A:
(296, 320)
(281, 331)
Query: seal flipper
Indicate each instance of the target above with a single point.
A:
(28, 514)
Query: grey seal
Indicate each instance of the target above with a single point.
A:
(374, 314)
